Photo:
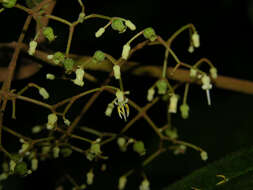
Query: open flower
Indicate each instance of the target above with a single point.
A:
(122, 106)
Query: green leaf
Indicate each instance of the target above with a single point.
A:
(237, 168)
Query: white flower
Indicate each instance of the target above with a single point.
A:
(151, 93)
(203, 155)
(144, 185)
(122, 182)
(52, 119)
(173, 104)
(109, 109)
(193, 72)
(130, 25)
(56, 152)
(79, 77)
(195, 40)
(213, 72)
(90, 177)
(43, 92)
(32, 47)
(116, 71)
(126, 51)
(100, 32)
(34, 164)
(122, 106)
(50, 76)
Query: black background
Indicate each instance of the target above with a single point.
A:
(225, 29)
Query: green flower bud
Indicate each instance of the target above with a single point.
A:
(149, 33)
(171, 133)
(99, 56)
(48, 32)
(68, 64)
(117, 24)
(58, 57)
(9, 3)
(66, 152)
(139, 148)
(21, 168)
(184, 108)
(162, 86)
(95, 148)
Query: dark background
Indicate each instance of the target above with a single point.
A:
(225, 29)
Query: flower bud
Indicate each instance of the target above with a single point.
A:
(116, 71)
(118, 25)
(149, 33)
(90, 177)
(66, 152)
(79, 77)
(50, 76)
(34, 163)
(100, 32)
(121, 141)
(56, 152)
(9, 3)
(144, 185)
(171, 133)
(139, 148)
(122, 182)
(68, 64)
(99, 56)
(109, 109)
(213, 72)
(162, 86)
(58, 57)
(191, 49)
(184, 108)
(43, 92)
(173, 104)
(151, 93)
(81, 17)
(126, 51)
(195, 40)
(52, 119)
(203, 155)
(48, 32)
(32, 47)
(193, 72)
(130, 25)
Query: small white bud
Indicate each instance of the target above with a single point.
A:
(213, 73)
(206, 82)
(203, 155)
(180, 149)
(43, 92)
(126, 51)
(24, 147)
(109, 109)
(50, 76)
(122, 182)
(52, 119)
(122, 144)
(116, 71)
(79, 77)
(193, 72)
(66, 121)
(81, 17)
(144, 185)
(32, 47)
(36, 129)
(130, 25)
(195, 40)
(12, 165)
(34, 164)
(49, 57)
(90, 177)
(191, 49)
(100, 32)
(173, 104)
(56, 152)
(151, 93)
